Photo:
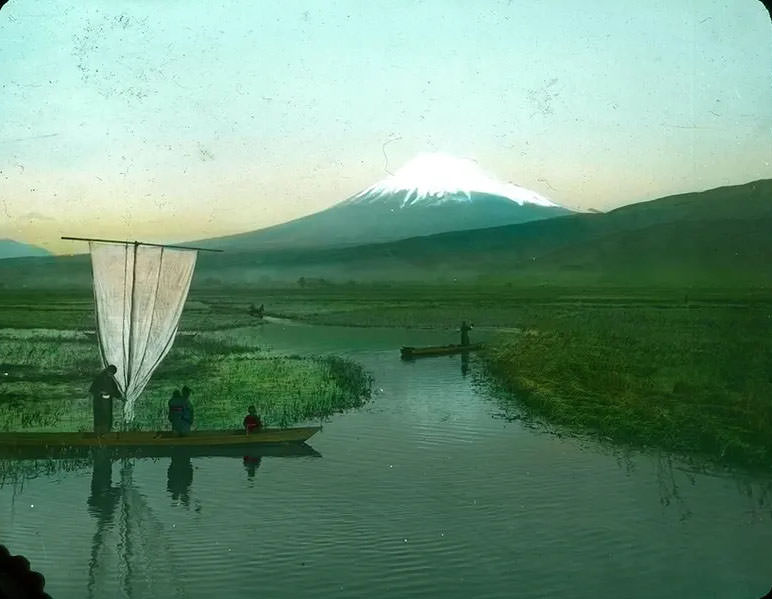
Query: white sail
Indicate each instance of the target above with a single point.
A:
(140, 291)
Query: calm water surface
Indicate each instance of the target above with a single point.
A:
(423, 493)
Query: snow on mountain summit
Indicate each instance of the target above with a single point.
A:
(432, 179)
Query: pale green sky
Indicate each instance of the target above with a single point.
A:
(179, 120)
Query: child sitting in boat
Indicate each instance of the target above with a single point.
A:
(252, 421)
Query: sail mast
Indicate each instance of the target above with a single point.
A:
(132, 317)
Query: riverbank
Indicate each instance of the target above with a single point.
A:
(44, 377)
(685, 371)
(697, 382)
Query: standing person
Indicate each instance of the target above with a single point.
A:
(181, 411)
(465, 328)
(103, 390)
(187, 408)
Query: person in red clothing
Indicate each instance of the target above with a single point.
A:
(252, 421)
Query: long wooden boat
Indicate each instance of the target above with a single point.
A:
(442, 350)
(210, 438)
(254, 450)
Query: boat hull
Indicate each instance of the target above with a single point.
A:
(254, 450)
(408, 353)
(211, 438)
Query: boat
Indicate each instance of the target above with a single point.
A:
(408, 353)
(140, 439)
(119, 452)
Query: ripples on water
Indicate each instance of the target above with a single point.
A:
(420, 494)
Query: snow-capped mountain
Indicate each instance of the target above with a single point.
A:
(436, 179)
(434, 193)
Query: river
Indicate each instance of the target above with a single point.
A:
(424, 492)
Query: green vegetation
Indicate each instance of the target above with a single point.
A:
(695, 381)
(45, 376)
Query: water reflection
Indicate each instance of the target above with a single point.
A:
(102, 504)
(179, 478)
(121, 511)
(251, 464)
(464, 363)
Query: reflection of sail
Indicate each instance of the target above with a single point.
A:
(145, 547)
(140, 291)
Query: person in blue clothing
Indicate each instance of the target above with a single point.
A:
(181, 411)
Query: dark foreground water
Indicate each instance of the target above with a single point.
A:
(423, 493)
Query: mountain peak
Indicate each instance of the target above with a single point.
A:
(436, 178)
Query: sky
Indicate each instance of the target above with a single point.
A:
(177, 120)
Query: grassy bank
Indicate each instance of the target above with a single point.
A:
(48, 374)
(694, 382)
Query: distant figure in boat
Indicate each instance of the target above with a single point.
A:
(258, 312)
(465, 328)
(103, 390)
(252, 422)
(181, 411)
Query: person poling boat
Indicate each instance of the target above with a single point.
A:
(104, 389)
(465, 328)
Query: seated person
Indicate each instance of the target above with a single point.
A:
(252, 421)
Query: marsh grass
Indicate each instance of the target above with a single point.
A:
(691, 383)
(44, 381)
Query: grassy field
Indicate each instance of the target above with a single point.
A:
(685, 370)
(44, 377)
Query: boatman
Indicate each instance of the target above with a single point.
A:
(103, 390)
(465, 328)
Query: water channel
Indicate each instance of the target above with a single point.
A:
(424, 492)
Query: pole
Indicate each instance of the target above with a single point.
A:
(158, 245)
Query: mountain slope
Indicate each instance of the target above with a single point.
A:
(431, 194)
(698, 237)
(719, 237)
(14, 249)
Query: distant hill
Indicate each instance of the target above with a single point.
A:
(433, 193)
(14, 249)
(719, 237)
